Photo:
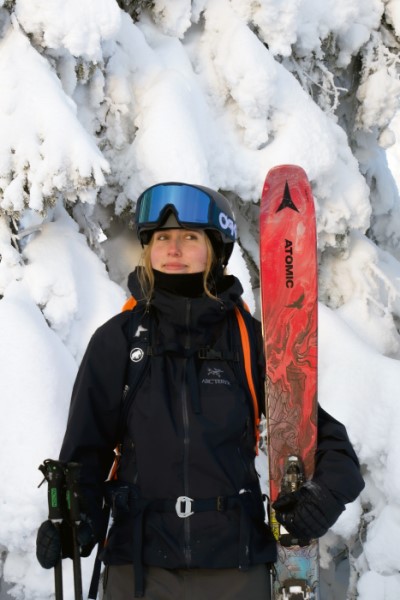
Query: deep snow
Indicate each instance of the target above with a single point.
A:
(191, 93)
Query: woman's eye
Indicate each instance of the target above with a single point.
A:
(189, 236)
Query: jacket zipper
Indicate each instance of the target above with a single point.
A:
(186, 442)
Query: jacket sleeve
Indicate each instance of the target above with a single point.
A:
(336, 465)
(93, 421)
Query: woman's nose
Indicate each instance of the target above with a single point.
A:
(174, 247)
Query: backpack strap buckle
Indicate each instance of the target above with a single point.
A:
(183, 507)
(209, 354)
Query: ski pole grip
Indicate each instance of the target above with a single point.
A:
(72, 472)
(53, 471)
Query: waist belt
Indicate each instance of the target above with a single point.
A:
(184, 507)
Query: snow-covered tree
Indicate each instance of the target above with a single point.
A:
(100, 99)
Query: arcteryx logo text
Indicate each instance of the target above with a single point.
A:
(214, 377)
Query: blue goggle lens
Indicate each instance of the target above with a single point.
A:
(191, 204)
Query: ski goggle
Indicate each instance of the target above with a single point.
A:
(192, 207)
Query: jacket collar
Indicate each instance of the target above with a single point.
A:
(197, 313)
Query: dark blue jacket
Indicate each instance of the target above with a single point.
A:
(188, 433)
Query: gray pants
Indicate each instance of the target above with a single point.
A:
(194, 584)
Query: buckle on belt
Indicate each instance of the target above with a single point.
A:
(183, 507)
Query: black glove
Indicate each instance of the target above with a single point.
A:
(309, 512)
(55, 541)
(48, 545)
(84, 534)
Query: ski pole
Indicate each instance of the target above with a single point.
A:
(72, 471)
(53, 471)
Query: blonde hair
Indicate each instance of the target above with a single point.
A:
(146, 273)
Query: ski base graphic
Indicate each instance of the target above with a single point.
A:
(288, 269)
(296, 573)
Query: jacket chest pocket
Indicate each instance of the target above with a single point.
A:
(223, 399)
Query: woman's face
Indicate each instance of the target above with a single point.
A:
(179, 251)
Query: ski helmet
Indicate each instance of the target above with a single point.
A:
(194, 207)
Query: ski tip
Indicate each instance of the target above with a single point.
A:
(288, 169)
(284, 185)
(286, 173)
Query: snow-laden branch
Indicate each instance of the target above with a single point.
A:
(44, 150)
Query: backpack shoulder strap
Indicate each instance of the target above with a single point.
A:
(248, 349)
(139, 352)
(129, 304)
(139, 344)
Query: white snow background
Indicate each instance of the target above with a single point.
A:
(95, 106)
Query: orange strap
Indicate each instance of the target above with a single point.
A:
(244, 334)
(129, 304)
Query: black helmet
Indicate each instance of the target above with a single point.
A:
(194, 206)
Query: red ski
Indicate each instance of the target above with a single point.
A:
(288, 269)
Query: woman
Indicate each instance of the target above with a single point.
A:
(188, 514)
